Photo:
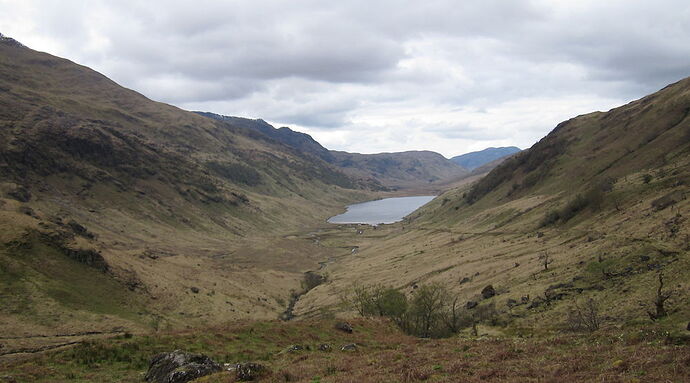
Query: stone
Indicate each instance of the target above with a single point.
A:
(249, 371)
(344, 326)
(179, 367)
(349, 347)
(464, 280)
(488, 292)
(294, 347)
(688, 327)
(195, 290)
(325, 347)
(511, 302)
(471, 304)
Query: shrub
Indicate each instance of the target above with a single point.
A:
(583, 318)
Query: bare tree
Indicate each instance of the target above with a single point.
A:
(545, 259)
(585, 317)
(660, 300)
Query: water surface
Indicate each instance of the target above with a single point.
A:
(387, 210)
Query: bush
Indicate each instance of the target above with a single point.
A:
(583, 318)
(430, 314)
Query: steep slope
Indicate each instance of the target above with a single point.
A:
(598, 209)
(417, 170)
(300, 141)
(151, 199)
(474, 160)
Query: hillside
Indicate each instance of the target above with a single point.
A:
(118, 211)
(474, 160)
(596, 210)
(418, 170)
(297, 140)
(413, 169)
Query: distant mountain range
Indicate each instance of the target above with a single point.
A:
(474, 160)
(393, 171)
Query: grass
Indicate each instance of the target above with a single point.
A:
(384, 354)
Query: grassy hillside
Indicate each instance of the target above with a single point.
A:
(474, 160)
(160, 200)
(383, 354)
(603, 198)
(413, 169)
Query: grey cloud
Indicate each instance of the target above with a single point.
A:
(372, 66)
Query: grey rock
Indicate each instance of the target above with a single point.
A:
(344, 326)
(294, 347)
(325, 347)
(349, 347)
(179, 367)
(249, 371)
(471, 304)
(195, 290)
(488, 292)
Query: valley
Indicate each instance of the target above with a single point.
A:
(130, 227)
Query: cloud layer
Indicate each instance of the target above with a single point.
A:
(372, 76)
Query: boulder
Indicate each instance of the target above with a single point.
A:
(470, 305)
(179, 367)
(488, 292)
(325, 347)
(349, 347)
(294, 347)
(344, 326)
(194, 289)
(688, 328)
(249, 371)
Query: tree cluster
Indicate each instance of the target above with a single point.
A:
(431, 311)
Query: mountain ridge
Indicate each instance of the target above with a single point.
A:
(476, 159)
(412, 169)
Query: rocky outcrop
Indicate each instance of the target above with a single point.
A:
(179, 367)
(488, 292)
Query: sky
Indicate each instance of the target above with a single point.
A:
(375, 76)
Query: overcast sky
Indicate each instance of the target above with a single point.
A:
(371, 76)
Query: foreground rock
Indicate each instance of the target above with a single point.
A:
(250, 371)
(179, 367)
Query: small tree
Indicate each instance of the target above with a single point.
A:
(427, 308)
(660, 300)
(585, 317)
(455, 318)
(545, 259)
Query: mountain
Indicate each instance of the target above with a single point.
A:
(596, 211)
(474, 160)
(300, 141)
(394, 171)
(113, 206)
(402, 170)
